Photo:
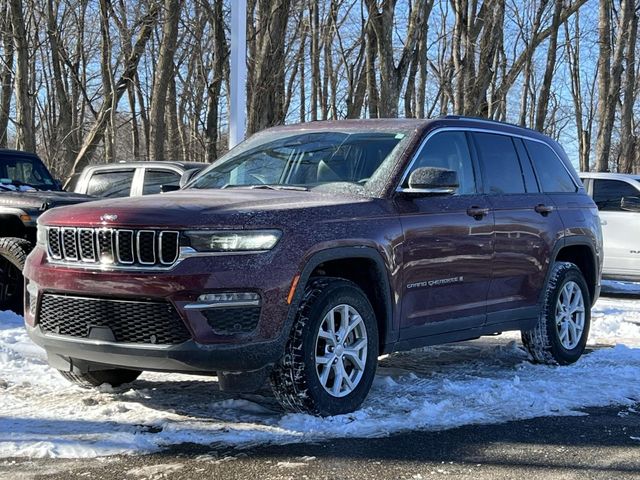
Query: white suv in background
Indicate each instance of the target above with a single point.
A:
(618, 199)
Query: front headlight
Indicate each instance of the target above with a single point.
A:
(233, 240)
(41, 236)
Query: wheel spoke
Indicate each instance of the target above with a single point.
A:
(325, 359)
(347, 377)
(338, 378)
(324, 376)
(344, 320)
(355, 321)
(354, 356)
(328, 337)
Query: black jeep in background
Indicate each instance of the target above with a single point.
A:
(27, 189)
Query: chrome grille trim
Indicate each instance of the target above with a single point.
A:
(161, 241)
(90, 256)
(153, 249)
(113, 248)
(69, 245)
(54, 251)
(119, 234)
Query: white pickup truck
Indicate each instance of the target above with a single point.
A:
(618, 199)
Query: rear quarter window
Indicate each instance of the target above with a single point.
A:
(552, 173)
(111, 184)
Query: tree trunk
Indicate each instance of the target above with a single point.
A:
(162, 79)
(96, 133)
(610, 76)
(26, 135)
(266, 81)
(6, 74)
(543, 99)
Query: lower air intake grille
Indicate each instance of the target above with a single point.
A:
(233, 320)
(129, 321)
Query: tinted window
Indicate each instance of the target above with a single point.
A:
(608, 194)
(303, 159)
(111, 184)
(502, 171)
(154, 179)
(530, 181)
(448, 150)
(24, 170)
(552, 174)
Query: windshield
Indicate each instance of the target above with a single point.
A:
(308, 159)
(25, 171)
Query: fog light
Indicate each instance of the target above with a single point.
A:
(230, 297)
(208, 301)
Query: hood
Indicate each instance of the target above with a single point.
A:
(41, 199)
(194, 208)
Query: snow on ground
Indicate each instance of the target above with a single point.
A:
(485, 381)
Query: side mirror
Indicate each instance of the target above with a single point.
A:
(188, 175)
(169, 188)
(630, 204)
(432, 180)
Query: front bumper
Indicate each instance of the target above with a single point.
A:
(187, 357)
(207, 350)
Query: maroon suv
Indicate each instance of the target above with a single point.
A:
(309, 250)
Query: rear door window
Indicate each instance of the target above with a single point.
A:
(111, 184)
(608, 194)
(552, 174)
(154, 179)
(500, 164)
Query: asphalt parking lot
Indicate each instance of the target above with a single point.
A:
(502, 397)
(602, 444)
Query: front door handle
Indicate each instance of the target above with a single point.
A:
(477, 212)
(543, 209)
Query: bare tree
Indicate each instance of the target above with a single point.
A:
(162, 80)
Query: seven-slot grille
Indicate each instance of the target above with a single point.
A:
(110, 246)
(128, 321)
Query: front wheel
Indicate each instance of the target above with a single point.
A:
(13, 254)
(560, 335)
(331, 356)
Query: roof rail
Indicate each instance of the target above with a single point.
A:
(482, 120)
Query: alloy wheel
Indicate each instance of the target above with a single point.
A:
(570, 315)
(341, 350)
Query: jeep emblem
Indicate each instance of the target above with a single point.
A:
(108, 217)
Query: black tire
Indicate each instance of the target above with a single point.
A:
(13, 254)
(543, 341)
(294, 380)
(114, 377)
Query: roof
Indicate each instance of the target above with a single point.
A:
(412, 124)
(610, 176)
(183, 165)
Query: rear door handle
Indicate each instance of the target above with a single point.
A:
(543, 209)
(477, 212)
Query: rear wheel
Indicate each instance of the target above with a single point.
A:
(332, 353)
(560, 335)
(13, 254)
(114, 377)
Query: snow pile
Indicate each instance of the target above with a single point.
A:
(485, 381)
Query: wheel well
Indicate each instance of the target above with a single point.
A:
(582, 257)
(11, 226)
(365, 273)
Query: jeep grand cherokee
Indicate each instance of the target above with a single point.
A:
(309, 250)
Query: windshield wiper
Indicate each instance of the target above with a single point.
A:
(279, 187)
